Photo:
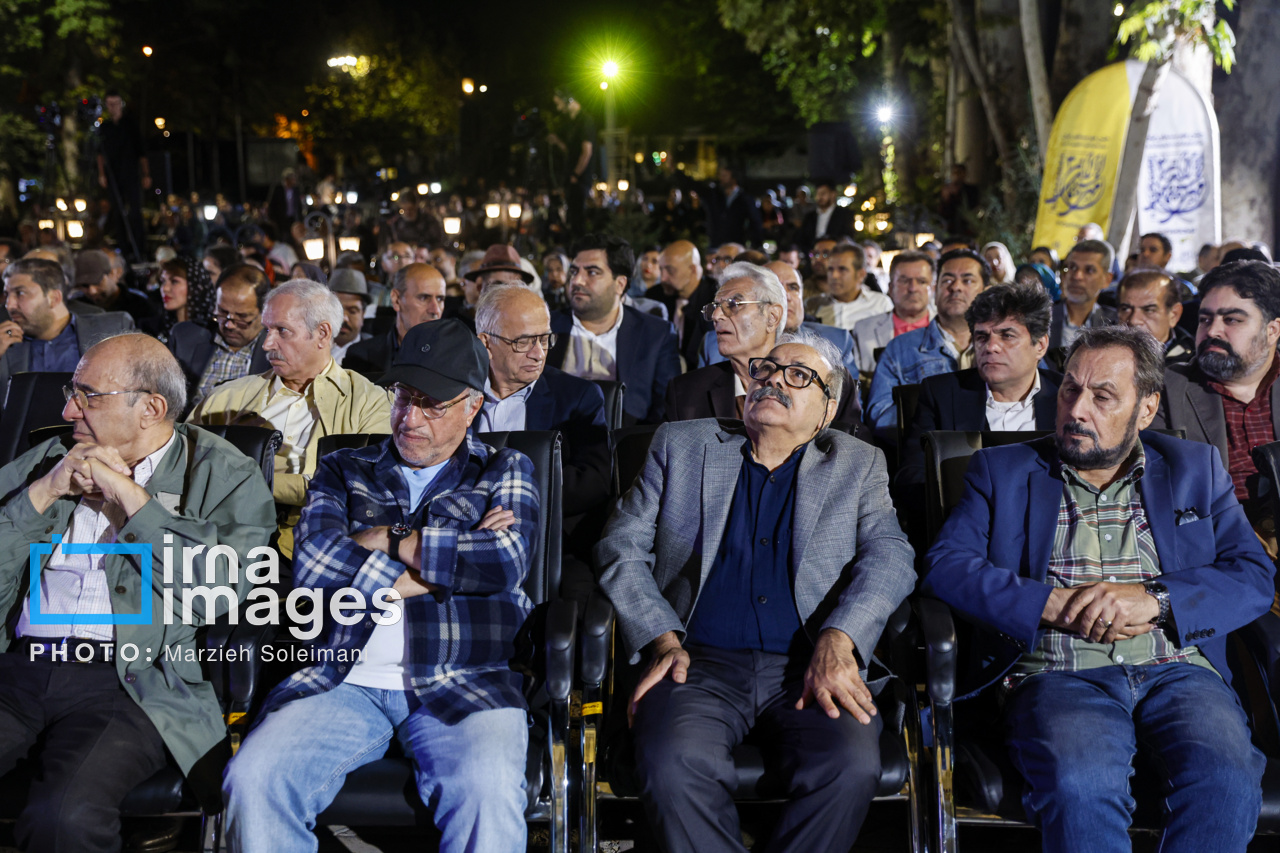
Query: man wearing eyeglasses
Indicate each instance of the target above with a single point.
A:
(523, 392)
(305, 394)
(449, 522)
(755, 570)
(233, 347)
(97, 701)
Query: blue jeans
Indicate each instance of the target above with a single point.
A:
(290, 768)
(1073, 736)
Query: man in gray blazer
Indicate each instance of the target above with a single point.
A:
(757, 569)
(43, 335)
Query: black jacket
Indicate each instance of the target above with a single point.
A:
(840, 225)
(575, 407)
(194, 347)
(695, 327)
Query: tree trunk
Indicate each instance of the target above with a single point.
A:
(963, 29)
(1248, 105)
(1120, 227)
(1084, 38)
(1037, 73)
(71, 133)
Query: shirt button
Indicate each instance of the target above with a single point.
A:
(1111, 579)
(764, 540)
(121, 590)
(1119, 658)
(368, 513)
(49, 529)
(772, 478)
(129, 537)
(1107, 537)
(131, 678)
(1102, 499)
(763, 599)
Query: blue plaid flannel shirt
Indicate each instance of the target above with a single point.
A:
(459, 647)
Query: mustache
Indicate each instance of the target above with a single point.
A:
(766, 391)
(1217, 342)
(1079, 428)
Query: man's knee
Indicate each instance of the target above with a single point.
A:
(252, 776)
(669, 762)
(58, 819)
(848, 767)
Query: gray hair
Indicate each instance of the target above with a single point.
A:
(767, 288)
(319, 304)
(1096, 247)
(157, 371)
(826, 351)
(492, 298)
(1148, 354)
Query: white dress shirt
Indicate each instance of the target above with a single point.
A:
(76, 583)
(1018, 416)
(505, 415)
(592, 356)
(868, 304)
(824, 219)
(295, 415)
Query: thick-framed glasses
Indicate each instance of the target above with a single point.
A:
(82, 397)
(728, 306)
(242, 321)
(431, 408)
(524, 343)
(795, 375)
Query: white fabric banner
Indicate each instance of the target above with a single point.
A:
(1178, 187)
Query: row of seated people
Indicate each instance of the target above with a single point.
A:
(794, 525)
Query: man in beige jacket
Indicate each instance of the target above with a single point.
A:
(305, 395)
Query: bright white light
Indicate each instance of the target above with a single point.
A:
(352, 197)
(395, 196)
(857, 225)
(45, 224)
(624, 185)
(515, 211)
(602, 187)
(75, 229)
(82, 205)
(1118, 11)
(468, 85)
(884, 114)
(483, 88)
(493, 211)
(210, 211)
(310, 201)
(610, 69)
(604, 84)
(844, 202)
(62, 204)
(349, 244)
(313, 248)
(435, 187)
(851, 190)
(422, 189)
(453, 225)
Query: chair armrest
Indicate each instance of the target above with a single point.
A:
(597, 634)
(244, 663)
(561, 633)
(939, 629)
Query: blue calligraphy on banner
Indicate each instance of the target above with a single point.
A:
(1176, 184)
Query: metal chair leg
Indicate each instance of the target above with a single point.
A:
(943, 768)
(918, 805)
(558, 748)
(588, 838)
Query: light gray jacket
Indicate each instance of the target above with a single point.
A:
(850, 562)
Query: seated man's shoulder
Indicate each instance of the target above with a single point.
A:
(648, 325)
(188, 332)
(945, 382)
(570, 386)
(224, 393)
(906, 343)
(695, 432)
(211, 449)
(1181, 449)
(1180, 375)
(1010, 457)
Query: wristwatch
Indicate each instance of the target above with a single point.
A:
(396, 535)
(1161, 593)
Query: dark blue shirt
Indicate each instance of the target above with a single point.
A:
(60, 355)
(747, 602)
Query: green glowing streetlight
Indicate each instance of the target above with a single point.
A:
(610, 68)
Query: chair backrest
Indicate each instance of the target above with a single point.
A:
(258, 443)
(613, 392)
(630, 447)
(33, 400)
(906, 398)
(543, 449)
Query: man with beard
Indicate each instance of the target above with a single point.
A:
(1227, 396)
(1103, 568)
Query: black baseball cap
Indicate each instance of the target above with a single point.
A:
(441, 358)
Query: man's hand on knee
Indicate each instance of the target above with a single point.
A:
(832, 679)
(668, 657)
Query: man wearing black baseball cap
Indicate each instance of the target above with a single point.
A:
(449, 523)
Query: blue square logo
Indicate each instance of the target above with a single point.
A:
(141, 618)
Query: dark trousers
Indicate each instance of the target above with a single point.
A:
(575, 197)
(1073, 736)
(97, 745)
(684, 734)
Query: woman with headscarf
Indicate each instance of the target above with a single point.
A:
(309, 271)
(1001, 260)
(187, 293)
(1039, 274)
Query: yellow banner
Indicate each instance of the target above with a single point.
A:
(1083, 158)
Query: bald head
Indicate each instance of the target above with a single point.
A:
(794, 288)
(681, 268)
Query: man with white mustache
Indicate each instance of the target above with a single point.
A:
(305, 394)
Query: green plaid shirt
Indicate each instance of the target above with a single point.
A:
(1102, 535)
(224, 366)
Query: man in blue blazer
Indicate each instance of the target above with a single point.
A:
(600, 338)
(1104, 569)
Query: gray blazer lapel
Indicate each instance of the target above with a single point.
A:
(1207, 407)
(812, 482)
(721, 463)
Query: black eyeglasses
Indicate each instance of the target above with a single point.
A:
(795, 375)
(431, 408)
(524, 343)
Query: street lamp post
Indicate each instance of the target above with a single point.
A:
(610, 69)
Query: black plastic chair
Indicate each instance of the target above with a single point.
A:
(613, 395)
(33, 400)
(973, 778)
(383, 793)
(258, 443)
(607, 682)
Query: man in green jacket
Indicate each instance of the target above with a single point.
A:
(99, 663)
